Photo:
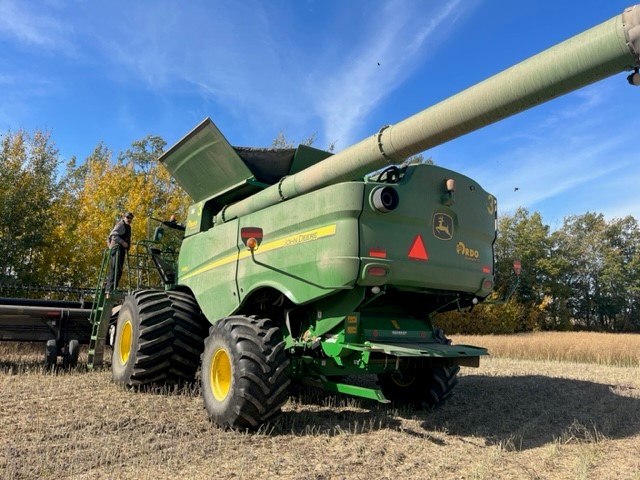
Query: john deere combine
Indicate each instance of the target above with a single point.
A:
(297, 265)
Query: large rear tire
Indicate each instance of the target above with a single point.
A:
(190, 330)
(245, 378)
(159, 339)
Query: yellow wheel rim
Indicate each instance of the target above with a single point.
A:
(220, 374)
(126, 339)
(403, 379)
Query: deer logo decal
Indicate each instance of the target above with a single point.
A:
(442, 226)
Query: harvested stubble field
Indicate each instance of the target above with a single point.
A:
(539, 415)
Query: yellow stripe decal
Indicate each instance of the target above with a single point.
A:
(290, 241)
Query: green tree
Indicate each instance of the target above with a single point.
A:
(600, 262)
(619, 288)
(28, 165)
(582, 248)
(524, 236)
(281, 141)
(559, 266)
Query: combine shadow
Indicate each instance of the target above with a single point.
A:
(517, 412)
(313, 411)
(529, 411)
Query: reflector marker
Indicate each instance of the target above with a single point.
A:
(378, 252)
(418, 251)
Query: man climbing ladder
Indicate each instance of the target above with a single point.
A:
(119, 242)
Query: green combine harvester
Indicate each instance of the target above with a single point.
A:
(298, 264)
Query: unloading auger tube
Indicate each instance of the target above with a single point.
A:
(607, 49)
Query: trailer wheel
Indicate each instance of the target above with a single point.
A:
(71, 356)
(51, 353)
(142, 346)
(245, 378)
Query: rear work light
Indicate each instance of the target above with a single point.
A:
(384, 199)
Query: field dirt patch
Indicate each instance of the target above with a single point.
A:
(508, 419)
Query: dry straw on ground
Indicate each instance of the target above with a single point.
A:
(513, 419)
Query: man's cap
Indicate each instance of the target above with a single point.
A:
(128, 215)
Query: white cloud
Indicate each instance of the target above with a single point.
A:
(247, 58)
(389, 49)
(33, 27)
(227, 54)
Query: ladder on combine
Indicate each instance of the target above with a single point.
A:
(100, 317)
(149, 265)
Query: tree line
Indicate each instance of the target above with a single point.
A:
(55, 219)
(584, 275)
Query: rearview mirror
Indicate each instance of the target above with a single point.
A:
(158, 234)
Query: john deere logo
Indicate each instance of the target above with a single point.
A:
(442, 226)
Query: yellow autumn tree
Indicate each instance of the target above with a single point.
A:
(61, 248)
(135, 182)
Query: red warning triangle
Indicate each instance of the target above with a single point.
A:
(418, 250)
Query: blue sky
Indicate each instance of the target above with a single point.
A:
(116, 71)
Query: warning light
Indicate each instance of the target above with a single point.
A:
(378, 252)
(418, 250)
(486, 269)
(252, 244)
(251, 233)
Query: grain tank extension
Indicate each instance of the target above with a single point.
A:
(302, 268)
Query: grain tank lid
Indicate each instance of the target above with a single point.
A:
(205, 164)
